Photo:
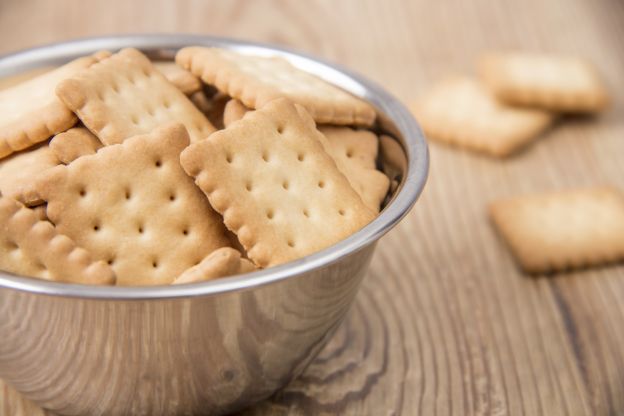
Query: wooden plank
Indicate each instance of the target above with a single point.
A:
(445, 324)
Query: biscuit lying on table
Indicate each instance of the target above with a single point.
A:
(276, 187)
(551, 82)
(32, 247)
(462, 112)
(125, 95)
(256, 80)
(132, 205)
(560, 230)
(31, 111)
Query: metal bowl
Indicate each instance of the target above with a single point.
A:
(204, 348)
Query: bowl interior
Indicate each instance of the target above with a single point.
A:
(405, 164)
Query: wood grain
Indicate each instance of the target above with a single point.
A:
(444, 324)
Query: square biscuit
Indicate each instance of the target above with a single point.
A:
(32, 247)
(548, 81)
(19, 171)
(461, 112)
(355, 153)
(74, 143)
(30, 112)
(124, 95)
(234, 110)
(223, 262)
(132, 205)
(563, 230)
(256, 80)
(178, 76)
(276, 187)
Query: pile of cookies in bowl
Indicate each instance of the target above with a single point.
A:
(118, 170)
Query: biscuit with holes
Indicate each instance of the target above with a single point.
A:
(552, 82)
(561, 230)
(355, 154)
(32, 247)
(275, 185)
(220, 263)
(75, 142)
(463, 113)
(354, 151)
(19, 171)
(125, 95)
(30, 112)
(132, 205)
(256, 80)
(234, 110)
(178, 76)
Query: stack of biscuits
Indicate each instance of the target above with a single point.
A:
(516, 97)
(118, 170)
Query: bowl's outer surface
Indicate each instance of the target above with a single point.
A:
(201, 355)
(204, 348)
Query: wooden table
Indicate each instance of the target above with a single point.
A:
(445, 323)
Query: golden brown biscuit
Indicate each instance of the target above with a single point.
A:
(31, 111)
(560, 230)
(132, 205)
(276, 187)
(552, 82)
(355, 154)
(124, 95)
(256, 80)
(223, 262)
(234, 110)
(178, 76)
(19, 171)
(74, 143)
(463, 113)
(32, 247)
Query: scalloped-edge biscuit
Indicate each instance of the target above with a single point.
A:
(234, 110)
(19, 171)
(256, 80)
(124, 95)
(549, 81)
(355, 154)
(32, 247)
(220, 263)
(30, 112)
(132, 205)
(178, 76)
(74, 143)
(354, 151)
(461, 112)
(276, 187)
(563, 230)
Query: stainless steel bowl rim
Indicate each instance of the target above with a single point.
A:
(409, 191)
